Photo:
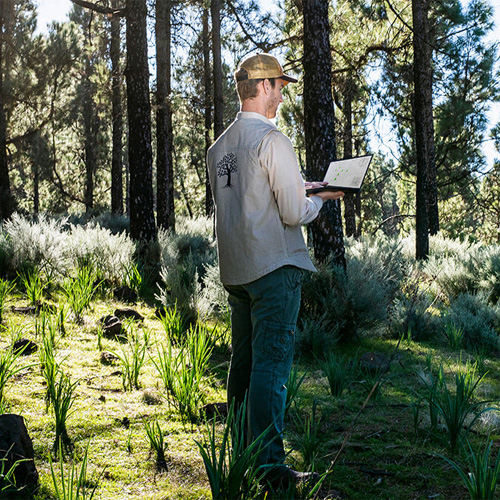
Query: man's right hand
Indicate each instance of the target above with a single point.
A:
(330, 195)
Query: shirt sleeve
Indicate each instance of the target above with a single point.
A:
(278, 158)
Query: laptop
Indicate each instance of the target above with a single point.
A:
(345, 175)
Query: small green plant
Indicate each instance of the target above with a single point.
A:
(8, 370)
(339, 371)
(482, 479)
(62, 398)
(5, 289)
(455, 408)
(182, 371)
(309, 438)
(62, 314)
(33, 285)
(230, 464)
(80, 290)
(132, 357)
(454, 334)
(133, 277)
(293, 385)
(49, 365)
(8, 486)
(156, 438)
(174, 324)
(72, 485)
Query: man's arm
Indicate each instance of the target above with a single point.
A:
(278, 157)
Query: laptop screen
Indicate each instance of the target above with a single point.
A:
(348, 173)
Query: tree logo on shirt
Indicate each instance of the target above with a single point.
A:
(227, 166)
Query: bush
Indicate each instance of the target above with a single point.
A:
(359, 297)
(479, 320)
(111, 255)
(39, 243)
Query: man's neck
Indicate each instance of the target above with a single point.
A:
(254, 106)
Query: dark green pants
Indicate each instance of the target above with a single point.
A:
(263, 319)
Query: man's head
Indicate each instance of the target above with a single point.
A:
(255, 69)
(259, 80)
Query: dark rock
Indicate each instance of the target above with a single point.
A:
(25, 309)
(374, 362)
(125, 294)
(152, 397)
(16, 446)
(39, 306)
(128, 314)
(217, 410)
(111, 326)
(25, 345)
(107, 358)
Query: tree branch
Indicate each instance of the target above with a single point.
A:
(99, 8)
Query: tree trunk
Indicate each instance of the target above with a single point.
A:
(349, 198)
(424, 128)
(164, 134)
(215, 6)
(117, 117)
(319, 128)
(89, 125)
(207, 85)
(6, 201)
(142, 221)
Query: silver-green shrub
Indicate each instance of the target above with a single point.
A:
(185, 255)
(110, 254)
(479, 320)
(35, 243)
(359, 297)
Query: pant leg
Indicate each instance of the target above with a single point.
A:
(275, 306)
(238, 381)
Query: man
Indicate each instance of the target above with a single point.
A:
(260, 204)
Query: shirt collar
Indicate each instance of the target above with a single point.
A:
(242, 115)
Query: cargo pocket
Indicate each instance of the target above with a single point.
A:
(278, 341)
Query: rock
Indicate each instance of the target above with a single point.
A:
(111, 326)
(374, 362)
(217, 410)
(125, 294)
(39, 306)
(152, 397)
(25, 309)
(16, 445)
(128, 314)
(108, 358)
(25, 345)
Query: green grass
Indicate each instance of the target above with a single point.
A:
(383, 455)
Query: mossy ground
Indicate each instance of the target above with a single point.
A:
(384, 457)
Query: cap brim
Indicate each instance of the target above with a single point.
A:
(288, 79)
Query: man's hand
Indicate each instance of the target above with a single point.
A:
(315, 184)
(325, 195)
(329, 195)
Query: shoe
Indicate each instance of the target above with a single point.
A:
(285, 477)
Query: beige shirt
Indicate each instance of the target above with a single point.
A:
(260, 201)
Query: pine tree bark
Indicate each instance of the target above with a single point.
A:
(164, 134)
(117, 117)
(426, 191)
(142, 221)
(207, 85)
(349, 198)
(6, 200)
(89, 125)
(215, 8)
(319, 128)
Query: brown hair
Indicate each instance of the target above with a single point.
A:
(247, 89)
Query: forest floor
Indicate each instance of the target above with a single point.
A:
(384, 457)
